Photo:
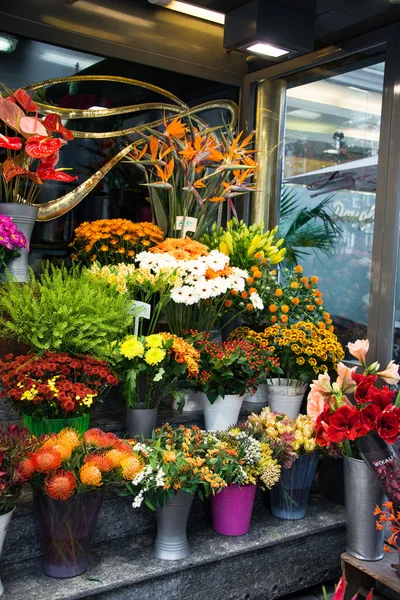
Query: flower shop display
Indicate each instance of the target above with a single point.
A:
(245, 464)
(202, 292)
(367, 427)
(64, 311)
(228, 371)
(54, 390)
(191, 172)
(68, 473)
(178, 467)
(15, 443)
(12, 243)
(389, 515)
(300, 455)
(303, 350)
(30, 159)
(151, 368)
(113, 241)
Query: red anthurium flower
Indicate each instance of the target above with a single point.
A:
(369, 415)
(364, 382)
(382, 398)
(10, 113)
(52, 160)
(40, 147)
(32, 126)
(387, 425)
(53, 123)
(25, 100)
(345, 425)
(12, 143)
(46, 171)
(11, 169)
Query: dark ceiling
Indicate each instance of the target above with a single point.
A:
(335, 19)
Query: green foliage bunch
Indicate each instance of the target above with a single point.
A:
(65, 311)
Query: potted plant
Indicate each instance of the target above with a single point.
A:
(303, 350)
(12, 241)
(299, 462)
(30, 160)
(55, 390)
(15, 444)
(178, 467)
(229, 370)
(243, 463)
(204, 284)
(358, 427)
(64, 311)
(68, 473)
(150, 369)
(113, 241)
(191, 172)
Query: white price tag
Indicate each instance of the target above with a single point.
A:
(186, 223)
(142, 309)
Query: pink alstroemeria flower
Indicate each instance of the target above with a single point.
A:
(391, 374)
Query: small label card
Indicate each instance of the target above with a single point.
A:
(186, 223)
(142, 309)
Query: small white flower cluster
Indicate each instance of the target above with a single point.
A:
(194, 285)
(137, 503)
(252, 447)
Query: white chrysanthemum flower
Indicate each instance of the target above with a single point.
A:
(256, 301)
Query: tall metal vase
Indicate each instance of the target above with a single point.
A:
(362, 494)
(24, 217)
(171, 541)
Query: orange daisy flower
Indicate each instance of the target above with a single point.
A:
(60, 485)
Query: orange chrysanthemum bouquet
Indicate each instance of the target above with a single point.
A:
(191, 173)
(113, 241)
(68, 473)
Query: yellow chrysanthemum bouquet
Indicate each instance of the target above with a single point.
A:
(151, 367)
(304, 350)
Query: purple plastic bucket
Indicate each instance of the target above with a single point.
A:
(231, 509)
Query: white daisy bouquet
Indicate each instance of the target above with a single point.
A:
(204, 283)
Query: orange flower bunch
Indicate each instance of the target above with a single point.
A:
(111, 241)
(181, 248)
(390, 516)
(190, 171)
(69, 463)
(183, 352)
(298, 299)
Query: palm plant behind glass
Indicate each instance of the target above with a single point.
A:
(306, 229)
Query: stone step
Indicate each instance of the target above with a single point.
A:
(276, 558)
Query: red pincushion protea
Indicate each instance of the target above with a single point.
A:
(103, 463)
(96, 437)
(60, 485)
(46, 459)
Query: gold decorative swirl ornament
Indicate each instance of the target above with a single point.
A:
(56, 208)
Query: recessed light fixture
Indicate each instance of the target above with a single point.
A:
(267, 50)
(7, 43)
(197, 11)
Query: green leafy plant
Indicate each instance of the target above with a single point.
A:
(305, 229)
(64, 311)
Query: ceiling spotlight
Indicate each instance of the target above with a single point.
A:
(192, 10)
(7, 43)
(267, 50)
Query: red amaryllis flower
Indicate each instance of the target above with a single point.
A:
(322, 425)
(387, 425)
(11, 143)
(11, 169)
(53, 123)
(46, 459)
(25, 100)
(46, 172)
(368, 416)
(345, 425)
(364, 383)
(60, 485)
(381, 398)
(40, 147)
